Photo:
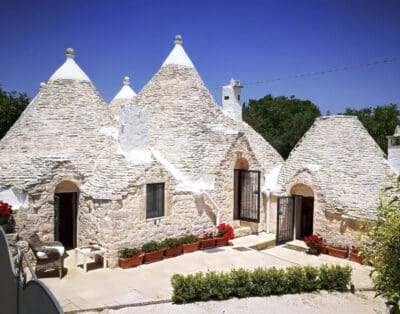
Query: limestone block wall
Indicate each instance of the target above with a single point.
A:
(223, 193)
(330, 222)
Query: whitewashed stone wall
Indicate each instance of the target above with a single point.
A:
(345, 168)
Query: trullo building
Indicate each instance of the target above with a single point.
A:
(170, 162)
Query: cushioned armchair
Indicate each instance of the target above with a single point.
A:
(49, 255)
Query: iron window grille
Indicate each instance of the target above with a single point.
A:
(155, 200)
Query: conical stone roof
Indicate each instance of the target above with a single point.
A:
(124, 96)
(345, 165)
(185, 124)
(67, 126)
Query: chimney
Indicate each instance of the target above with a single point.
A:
(394, 149)
(231, 100)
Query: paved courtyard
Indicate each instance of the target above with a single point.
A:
(113, 288)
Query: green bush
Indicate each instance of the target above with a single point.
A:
(189, 238)
(172, 243)
(152, 246)
(382, 246)
(128, 252)
(243, 283)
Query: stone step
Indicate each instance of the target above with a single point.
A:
(242, 231)
(296, 245)
(259, 241)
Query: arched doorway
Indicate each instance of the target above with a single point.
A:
(66, 197)
(246, 187)
(304, 211)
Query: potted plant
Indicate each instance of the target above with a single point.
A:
(173, 247)
(154, 251)
(338, 250)
(208, 241)
(355, 255)
(128, 257)
(315, 243)
(5, 214)
(190, 243)
(225, 233)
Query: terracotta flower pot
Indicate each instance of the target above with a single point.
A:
(191, 247)
(171, 252)
(207, 244)
(130, 262)
(221, 241)
(354, 257)
(336, 252)
(154, 256)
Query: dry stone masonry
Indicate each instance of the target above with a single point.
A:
(172, 132)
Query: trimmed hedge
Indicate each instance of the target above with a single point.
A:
(243, 283)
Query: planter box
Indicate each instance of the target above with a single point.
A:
(313, 251)
(191, 247)
(171, 252)
(354, 257)
(153, 256)
(221, 241)
(340, 253)
(207, 244)
(130, 262)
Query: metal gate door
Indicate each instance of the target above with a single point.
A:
(247, 195)
(285, 220)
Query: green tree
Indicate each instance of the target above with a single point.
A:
(383, 247)
(11, 107)
(379, 121)
(281, 121)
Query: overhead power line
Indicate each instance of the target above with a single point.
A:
(323, 72)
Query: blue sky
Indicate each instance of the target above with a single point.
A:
(248, 40)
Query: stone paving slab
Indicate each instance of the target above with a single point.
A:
(101, 288)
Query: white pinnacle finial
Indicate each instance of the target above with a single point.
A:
(42, 84)
(178, 40)
(70, 53)
(126, 80)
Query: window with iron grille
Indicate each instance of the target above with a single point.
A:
(155, 200)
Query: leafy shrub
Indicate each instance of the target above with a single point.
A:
(172, 242)
(382, 246)
(258, 282)
(152, 246)
(128, 252)
(333, 277)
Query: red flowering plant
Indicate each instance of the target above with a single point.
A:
(5, 212)
(315, 243)
(207, 235)
(226, 231)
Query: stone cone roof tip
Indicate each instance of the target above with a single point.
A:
(126, 92)
(178, 55)
(70, 70)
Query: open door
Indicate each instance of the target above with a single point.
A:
(285, 220)
(65, 212)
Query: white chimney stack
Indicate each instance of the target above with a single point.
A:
(231, 100)
(394, 150)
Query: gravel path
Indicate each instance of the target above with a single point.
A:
(307, 303)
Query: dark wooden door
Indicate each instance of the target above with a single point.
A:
(65, 209)
(307, 216)
(285, 219)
